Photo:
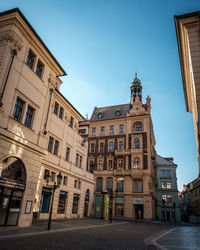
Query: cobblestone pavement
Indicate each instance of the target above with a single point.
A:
(98, 234)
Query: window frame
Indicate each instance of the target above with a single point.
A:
(31, 63)
(29, 117)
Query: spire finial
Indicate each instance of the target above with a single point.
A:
(136, 74)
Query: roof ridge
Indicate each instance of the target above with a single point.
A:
(112, 106)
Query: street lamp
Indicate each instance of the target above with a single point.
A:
(174, 206)
(53, 188)
(163, 202)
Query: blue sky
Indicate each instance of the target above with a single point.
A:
(102, 43)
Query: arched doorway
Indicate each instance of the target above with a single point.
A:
(87, 199)
(12, 186)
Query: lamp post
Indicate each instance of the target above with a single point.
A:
(174, 206)
(53, 188)
(163, 202)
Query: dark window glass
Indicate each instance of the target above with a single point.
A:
(102, 130)
(55, 151)
(80, 161)
(101, 147)
(137, 186)
(75, 204)
(29, 117)
(39, 68)
(91, 166)
(53, 176)
(121, 145)
(109, 183)
(56, 107)
(71, 124)
(62, 202)
(110, 164)
(18, 109)
(93, 131)
(92, 147)
(46, 172)
(118, 113)
(30, 59)
(121, 128)
(99, 184)
(136, 143)
(50, 144)
(61, 112)
(67, 154)
(65, 181)
(120, 184)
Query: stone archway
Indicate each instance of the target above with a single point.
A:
(12, 186)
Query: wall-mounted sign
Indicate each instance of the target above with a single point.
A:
(138, 200)
(28, 207)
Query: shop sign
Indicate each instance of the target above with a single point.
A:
(138, 200)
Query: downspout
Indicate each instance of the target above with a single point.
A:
(45, 125)
(14, 53)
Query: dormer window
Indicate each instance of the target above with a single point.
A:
(118, 113)
(100, 115)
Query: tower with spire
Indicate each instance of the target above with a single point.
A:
(136, 89)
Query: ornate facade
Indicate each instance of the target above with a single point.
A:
(122, 156)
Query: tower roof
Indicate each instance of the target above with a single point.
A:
(136, 81)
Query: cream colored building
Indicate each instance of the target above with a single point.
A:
(38, 132)
(122, 157)
(187, 30)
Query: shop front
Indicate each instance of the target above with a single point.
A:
(12, 187)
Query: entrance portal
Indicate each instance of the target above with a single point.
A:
(12, 185)
(139, 211)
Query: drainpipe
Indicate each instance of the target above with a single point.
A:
(14, 53)
(45, 125)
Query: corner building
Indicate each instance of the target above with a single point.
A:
(123, 158)
(38, 132)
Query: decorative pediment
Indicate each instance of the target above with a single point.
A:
(137, 107)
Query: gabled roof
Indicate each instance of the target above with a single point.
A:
(163, 162)
(111, 112)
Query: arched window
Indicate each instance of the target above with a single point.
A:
(136, 143)
(99, 184)
(138, 126)
(136, 162)
(14, 170)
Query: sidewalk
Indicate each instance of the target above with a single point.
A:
(56, 226)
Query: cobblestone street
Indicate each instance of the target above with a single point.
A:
(99, 234)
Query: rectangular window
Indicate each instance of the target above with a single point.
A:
(29, 117)
(79, 185)
(91, 166)
(56, 107)
(71, 124)
(67, 154)
(137, 186)
(111, 129)
(18, 109)
(166, 185)
(121, 128)
(39, 68)
(75, 183)
(53, 176)
(169, 198)
(164, 197)
(61, 112)
(102, 130)
(109, 183)
(93, 131)
(92, 147)
(121, 145)
(75, 204)
(165, 173)
(65, 181)
(45, 200)
(46, 172)
(56, 146)
(50, 144)
(80, 161)
(62, 202)
(77, 158)
(111, 146)
(101, 147)
(120, 184)
(110, 164)
(30, 59)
